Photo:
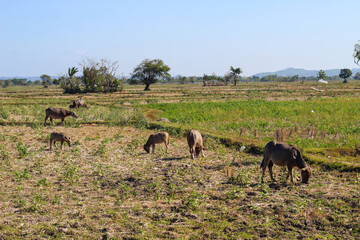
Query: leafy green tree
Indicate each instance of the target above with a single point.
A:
(357, 76)
(192, 79)
(293, 78)
(56, 81)
(357, 53)
(97, 77)
(181, 79)
(36, 83)
(100, 76)
(345, 73)
(150, 71)
(227, 78)
(210, 80)
(322, 75)
(46, 80)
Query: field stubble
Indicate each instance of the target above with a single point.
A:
(105, 186)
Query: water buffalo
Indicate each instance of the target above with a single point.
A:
(78, 103)
(58, 113)
(59, 137)
(161, 137)
(283, 154)
(195, 143)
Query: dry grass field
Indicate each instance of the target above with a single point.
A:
(105, 187)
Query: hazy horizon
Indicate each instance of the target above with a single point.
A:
(192, 37)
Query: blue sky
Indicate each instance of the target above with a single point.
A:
(192, 37)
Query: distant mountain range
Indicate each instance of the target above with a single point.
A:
(304, 73)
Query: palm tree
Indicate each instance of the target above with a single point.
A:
(72, 71)
(235, 73)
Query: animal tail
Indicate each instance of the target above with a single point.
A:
(268, 148)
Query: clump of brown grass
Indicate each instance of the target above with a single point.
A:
(323, 134)
(152, 114)
(229, 171)
(242, 131)
(357, 150)
(280, 135)
(256, 133)
(236, 162)
(336, 136)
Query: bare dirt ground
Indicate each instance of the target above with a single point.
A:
(105, 186)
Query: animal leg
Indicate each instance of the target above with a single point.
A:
(62, 121)
(46, 118)
(192, 150)
(202, 151)
(153, 148)
(291, 175)
(271, 164)
(51, 120)
(265, 163)
(166, 146)
(50, 144)
(61, 144)
(263, 168)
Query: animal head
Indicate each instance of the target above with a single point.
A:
(147, 148)
(71, 106)
(74, 115)
(68, 140)
(197, 151)
(305, 174)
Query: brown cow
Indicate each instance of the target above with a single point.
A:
(195, 143)
(78, 103)
(58, 113)
(161, 137)
(59, 137)
(283, 154)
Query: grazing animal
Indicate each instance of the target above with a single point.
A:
(59, 137)
(78, 103)
(58, 113)
(195, 143)
(161, 137)
(283, 154)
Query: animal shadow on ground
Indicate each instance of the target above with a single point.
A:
(172, 158)
(273, 185)
(279, 185)
(244, 163)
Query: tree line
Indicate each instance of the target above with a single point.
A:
(101, 76)
(46, 80)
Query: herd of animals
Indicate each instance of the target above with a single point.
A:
(281, 154)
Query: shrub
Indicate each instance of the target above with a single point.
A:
(23, 150)
(4, 113)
